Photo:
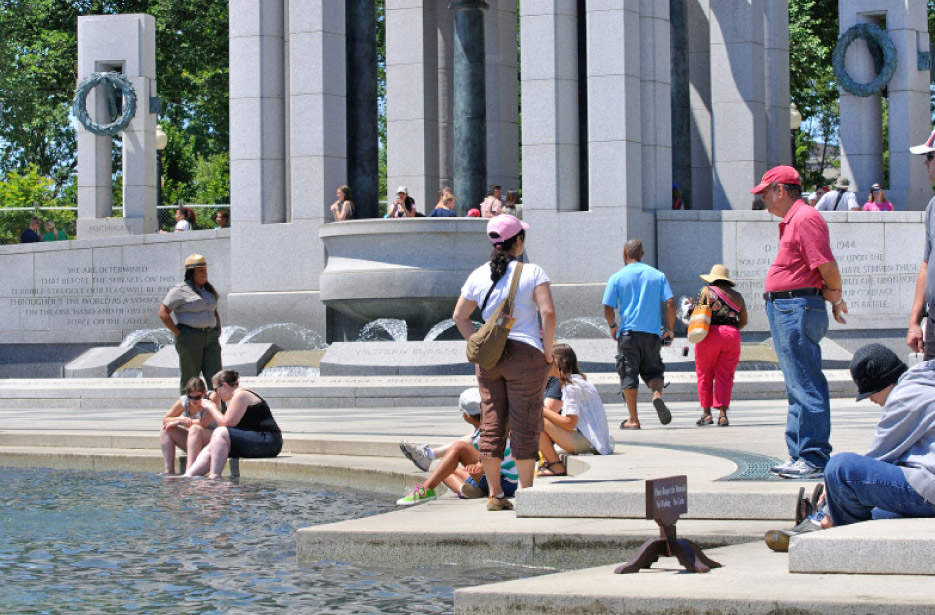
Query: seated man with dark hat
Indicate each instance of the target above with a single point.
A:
(896, 478)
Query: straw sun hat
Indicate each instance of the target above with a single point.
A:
(718, 272)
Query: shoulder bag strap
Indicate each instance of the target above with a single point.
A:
(516, 273)
(838, 200)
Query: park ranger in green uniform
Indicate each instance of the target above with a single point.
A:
(197, 324)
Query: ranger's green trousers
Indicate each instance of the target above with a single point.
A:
(199, 353)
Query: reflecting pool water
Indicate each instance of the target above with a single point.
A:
(79, 542)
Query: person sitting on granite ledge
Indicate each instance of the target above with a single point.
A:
(896, 478)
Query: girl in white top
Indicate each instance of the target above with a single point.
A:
(511, 392)
(577, 422)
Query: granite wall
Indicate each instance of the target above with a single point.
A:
(99, 290)
(879, 254)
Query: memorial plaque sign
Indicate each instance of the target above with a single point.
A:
(666, 499)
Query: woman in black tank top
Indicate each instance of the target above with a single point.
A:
(247, 429)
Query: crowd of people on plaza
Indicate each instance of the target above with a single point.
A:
(843, 199)
(404, 205)
(534, 402)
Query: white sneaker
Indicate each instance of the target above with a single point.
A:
(785, 465)
(802, 469)
(418, 455)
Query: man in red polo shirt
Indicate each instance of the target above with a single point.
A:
(800, 280)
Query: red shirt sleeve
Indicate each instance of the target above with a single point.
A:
(814, 240)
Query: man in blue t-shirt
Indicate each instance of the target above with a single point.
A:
(638, 292)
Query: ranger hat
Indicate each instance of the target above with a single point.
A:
(195, 260)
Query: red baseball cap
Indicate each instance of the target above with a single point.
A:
(778, 175)
(473, 213)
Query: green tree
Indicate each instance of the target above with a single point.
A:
(813, 33)
(38, 58)
(35, 194)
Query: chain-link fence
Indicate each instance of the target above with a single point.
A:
(14, 220)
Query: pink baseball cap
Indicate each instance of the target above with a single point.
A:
(503, 227)
(778, 175)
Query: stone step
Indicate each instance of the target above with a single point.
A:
(885, 546)
(358, 392)
(752, 580)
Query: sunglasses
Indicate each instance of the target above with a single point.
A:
(195, 397)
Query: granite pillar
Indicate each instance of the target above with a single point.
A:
(257, 103)
(680, 99)
(551, 180)
(737, 103)
(908, 90)
(501, 89)
(124, 44)
(363, 173)
(776, 82)
(615, 113)
(412, 99)
(861, 129)
(909, 108)
(470, 103)
(446, 126)
(699, 76)
(656, 101)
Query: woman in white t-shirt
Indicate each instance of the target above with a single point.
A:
(511, 392)
(576, 422)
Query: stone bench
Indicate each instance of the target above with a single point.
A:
(886, 546)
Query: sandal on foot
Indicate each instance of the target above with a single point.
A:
(722, 421)
(706, 419)
(665, 417)
(546, 469)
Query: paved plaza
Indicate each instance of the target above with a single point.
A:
(580, 526)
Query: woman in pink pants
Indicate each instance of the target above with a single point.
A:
(717, 355)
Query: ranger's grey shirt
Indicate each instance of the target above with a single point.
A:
(191, 306)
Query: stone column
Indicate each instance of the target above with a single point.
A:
(257, 104)
(412, 99)
(470, 103)
(776, 82)
(125, 44)
(615, 112)
(699, 75)
(681, 99)
(656, 101)
(363, 174)
(318, 112)
(551, 180)
(861, 130)
(502, 81)
(738, 102)
(446, 126)
(906, 23)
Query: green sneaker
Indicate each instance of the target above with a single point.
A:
(417, 496)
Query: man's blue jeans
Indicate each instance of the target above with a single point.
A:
(797, 326)
(860, 488)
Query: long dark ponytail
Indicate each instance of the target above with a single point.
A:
(500, 257)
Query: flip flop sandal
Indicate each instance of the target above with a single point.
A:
(665, 417)
(722, 421)
(706, 419)
(546, 469)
